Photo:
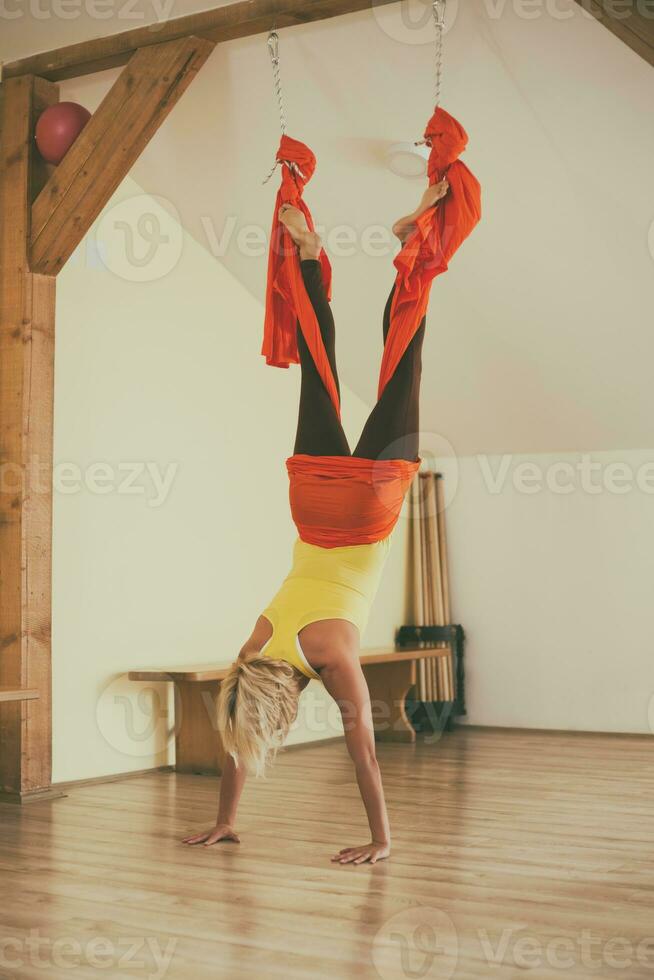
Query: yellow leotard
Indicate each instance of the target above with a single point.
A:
(324, 583)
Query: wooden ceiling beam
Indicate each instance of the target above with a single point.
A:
(630, 20)
(224, 23)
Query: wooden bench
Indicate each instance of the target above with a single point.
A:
(390, 675)
(17, 694)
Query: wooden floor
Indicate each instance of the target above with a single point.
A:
(513, 854)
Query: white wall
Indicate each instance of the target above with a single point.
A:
(548, 305)
(540, 334)
(554, 588)
(165, 372)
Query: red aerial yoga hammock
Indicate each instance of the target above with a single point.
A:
(346, 500)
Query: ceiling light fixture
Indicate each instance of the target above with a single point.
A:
(408, 159)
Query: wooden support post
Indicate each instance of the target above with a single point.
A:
(43, 217)
(113, 139)
(27, 311)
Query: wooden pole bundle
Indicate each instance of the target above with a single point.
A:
(417, 610)
(430, 584)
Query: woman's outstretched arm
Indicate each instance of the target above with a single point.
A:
(404, 226)
(233, 778)
(347, 685)
(231, 787)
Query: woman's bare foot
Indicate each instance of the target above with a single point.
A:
(403, 228)
(308, 242)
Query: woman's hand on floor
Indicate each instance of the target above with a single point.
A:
(221, 832)
(367, 854)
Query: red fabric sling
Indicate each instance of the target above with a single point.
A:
(345, 500)
(438, 234)
(286, 297)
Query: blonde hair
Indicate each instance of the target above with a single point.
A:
(257, 705)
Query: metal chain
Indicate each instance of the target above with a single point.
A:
(273, 49)
(438, 8)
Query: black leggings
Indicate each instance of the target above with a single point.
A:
(392, 430)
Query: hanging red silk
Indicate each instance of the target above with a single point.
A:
(346, 500)
(438, 234)
(287, 302)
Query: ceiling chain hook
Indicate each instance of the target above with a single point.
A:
(273, 50)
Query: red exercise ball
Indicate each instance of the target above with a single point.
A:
(58, 127)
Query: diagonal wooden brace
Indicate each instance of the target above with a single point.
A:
(125, 121)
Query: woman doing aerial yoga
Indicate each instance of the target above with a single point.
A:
(345, 505)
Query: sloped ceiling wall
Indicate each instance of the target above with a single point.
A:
(541, 332)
